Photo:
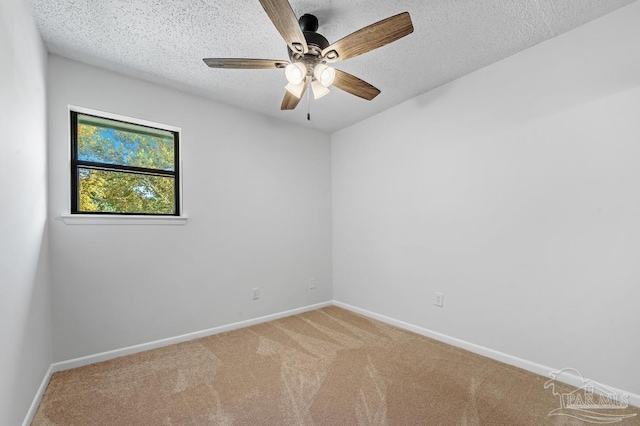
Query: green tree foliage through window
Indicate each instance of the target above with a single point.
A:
(123, 168)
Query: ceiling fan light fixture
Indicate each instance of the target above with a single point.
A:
(295, 89)
(309, 52)
(324, 74)
(318, 89)
(295, 73)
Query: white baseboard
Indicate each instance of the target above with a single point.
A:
(104, 356)
(36, 401)
(542, 370)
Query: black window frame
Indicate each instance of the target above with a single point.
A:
(76, 164)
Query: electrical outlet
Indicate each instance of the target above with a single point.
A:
(256, 293)
(439, 300)
(312, 284)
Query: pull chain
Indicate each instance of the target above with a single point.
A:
(309, 102)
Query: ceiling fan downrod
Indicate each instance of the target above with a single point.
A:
(308, 22)
(315, 42)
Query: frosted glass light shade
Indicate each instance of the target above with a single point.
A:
(318, 89)
(295, 72)
(324, 74)
(295, 89)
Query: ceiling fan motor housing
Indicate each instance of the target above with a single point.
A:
(316, 39)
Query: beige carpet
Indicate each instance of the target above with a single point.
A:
(325, 367)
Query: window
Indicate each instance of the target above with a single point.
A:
(122, 168)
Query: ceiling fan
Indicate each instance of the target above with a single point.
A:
(310, 53)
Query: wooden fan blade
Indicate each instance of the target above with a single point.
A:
(290, 101)
(352, 84)
(285, 21)
(248, 64)
(369, 38)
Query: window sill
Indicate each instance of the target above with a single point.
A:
(88, 219)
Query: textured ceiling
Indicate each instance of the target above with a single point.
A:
(164, 41)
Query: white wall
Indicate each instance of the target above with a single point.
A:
(258, 196)
(515, 192)
(25, 313)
